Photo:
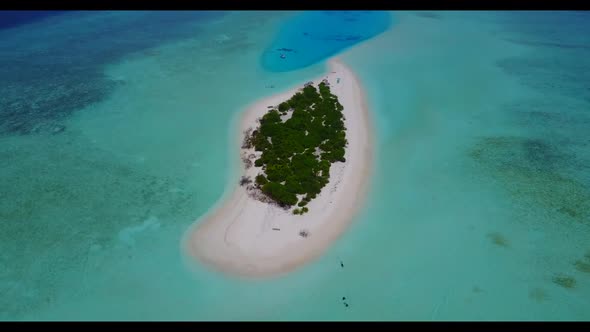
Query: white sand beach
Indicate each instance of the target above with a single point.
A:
(244, 237)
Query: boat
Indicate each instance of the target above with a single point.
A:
(283, 56)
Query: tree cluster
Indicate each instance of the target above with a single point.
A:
(297, 153)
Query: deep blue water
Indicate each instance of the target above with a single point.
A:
(70, 53)
(13, 18)
(311, 37)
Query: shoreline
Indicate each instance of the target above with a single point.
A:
(244, 237)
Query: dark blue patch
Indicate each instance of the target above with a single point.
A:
(311, 37)
(13, 18)
(48, 74)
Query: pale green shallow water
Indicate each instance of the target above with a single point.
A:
(480, 195)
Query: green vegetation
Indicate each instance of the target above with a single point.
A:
(297, 153)
(300, 211)
(261, 180)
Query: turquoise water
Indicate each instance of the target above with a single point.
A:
(309, 37)
(479, 206)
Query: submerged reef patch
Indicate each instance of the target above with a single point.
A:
(36, 99)
(499, 239)
(51, 70)
(564, 281)
(583, 265)
(58, 210)
(538, 295)
(530, 169)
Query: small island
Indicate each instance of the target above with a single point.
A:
(295, 144)
(307, 150)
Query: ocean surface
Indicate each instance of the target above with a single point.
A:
(115, 132)
(303, 40)
(14, 18)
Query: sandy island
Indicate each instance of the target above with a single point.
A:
(244, 237)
